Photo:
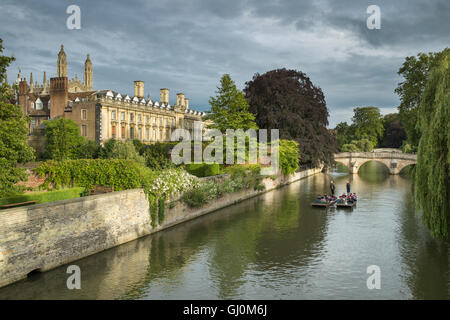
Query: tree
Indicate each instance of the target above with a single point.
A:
(88, 150)
(344, 133)
(393, 133)
(62, 139)
(157, 156)
(415, 71)
(106, 152)
(229, 108)
(368, 123)
(287, 100)
(13, 132)
(125, 150)
(432, 173)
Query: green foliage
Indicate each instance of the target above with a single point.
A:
(368, 124)
(393, 134)
(344, 134)
(43, 197)
(229, 108)
(408, 148)
(5, 89)
(106, 152)
(9, 176)
(203, 169)
(62, 139)
(126, 150)
(89, 149)
(199, 196)
(13, 132)
(120, 174)
(363, 134)
(242, 177)
(288, 156)
(363, 145)
(432, 173)
(415, 71)
(161, 209)
(157, 156)
(349, 147)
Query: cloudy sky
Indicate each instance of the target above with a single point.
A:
(187, 45)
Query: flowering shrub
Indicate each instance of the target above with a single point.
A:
(170, 182)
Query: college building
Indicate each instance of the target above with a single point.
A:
(103, 114)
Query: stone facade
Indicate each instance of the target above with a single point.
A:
(44, 236)
(103, 114)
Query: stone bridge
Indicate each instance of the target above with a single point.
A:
(394, 161)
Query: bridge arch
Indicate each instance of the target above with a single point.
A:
(394, 161)
(384, 163)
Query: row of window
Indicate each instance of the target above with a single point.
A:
(162, 121)
(137, 133)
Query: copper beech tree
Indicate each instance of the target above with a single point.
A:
(287, 100)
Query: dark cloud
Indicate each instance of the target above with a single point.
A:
(187, 45)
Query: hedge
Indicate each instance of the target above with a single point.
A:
(203, 169)
(118, 173)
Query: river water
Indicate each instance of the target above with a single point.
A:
(275, 246)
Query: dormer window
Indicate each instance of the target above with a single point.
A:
(39, 104)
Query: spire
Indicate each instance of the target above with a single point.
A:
(62, 63)
(88, 73)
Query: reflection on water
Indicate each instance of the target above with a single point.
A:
(275, 246)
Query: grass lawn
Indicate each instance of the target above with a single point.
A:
(42, 197)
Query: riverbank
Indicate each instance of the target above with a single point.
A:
(44, 236)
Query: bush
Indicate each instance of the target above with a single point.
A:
(118, 173)
(168, 182)
(203, 169)
(157, 156)
(242, 177)
(88, 150)
(289, 156)
(197, 197)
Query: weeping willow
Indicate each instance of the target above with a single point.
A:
(432, 173)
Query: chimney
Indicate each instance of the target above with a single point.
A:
(139, 89)
(164, 96)
(31, 82)
(180, 100)
(59, 89)
(186, 103)
(44, 89)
